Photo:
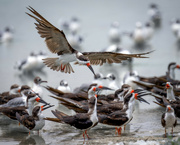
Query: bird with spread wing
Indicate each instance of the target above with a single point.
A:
(57, 43)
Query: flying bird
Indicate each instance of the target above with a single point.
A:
(57, 43)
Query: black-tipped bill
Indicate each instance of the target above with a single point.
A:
(104, 88)
(42, 101)
(142, 100)
(44, 108)
(90, 67)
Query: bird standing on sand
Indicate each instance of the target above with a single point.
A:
(168, 119)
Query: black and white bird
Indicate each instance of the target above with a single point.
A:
(168, 119)
(57, 43)
(170, 92)
(82, 121)
(34, 121)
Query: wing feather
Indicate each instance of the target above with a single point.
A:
(55, 39)
(99, 58)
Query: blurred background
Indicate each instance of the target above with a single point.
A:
(95, 19)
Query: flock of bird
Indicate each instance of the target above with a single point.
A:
(99, 102)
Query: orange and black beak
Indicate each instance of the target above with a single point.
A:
(99, 88)
(40, 100)
(178, 66)
(167, 86)
(90, 67)
(169, 108)
(138, 97)
(44, 108)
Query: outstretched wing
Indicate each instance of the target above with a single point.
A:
(55, 39)
(98, 58)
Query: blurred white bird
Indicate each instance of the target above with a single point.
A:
(154, 14)
(129, 77)
(6, 36)
(32, 63)
(75, 41)
(114, 33)
(175, 26)
(72, 26)
(64, 87)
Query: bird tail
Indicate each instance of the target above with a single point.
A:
(54, 91)
(59, 115)
(63, 67)
(53, 119)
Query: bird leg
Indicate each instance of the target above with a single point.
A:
(19, 123)
(172, 131)
(116, 130)
(83, 136)
(165, 133)
(124, 127)
(119, 131)
(87, 135)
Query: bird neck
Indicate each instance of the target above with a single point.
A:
(170, 94)
(129, 110)
(30, 106)
(172, 73)
(93, 109)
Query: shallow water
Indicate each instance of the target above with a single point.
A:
(96, 17)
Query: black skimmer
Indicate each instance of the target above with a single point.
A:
(27, 99)
(75, 96)
(57, 43)
(122, 117)
(154, 14)
(160, 80)
(168, 119)
(170, 92)
(82, 121)
(64, 87)
(11, 111)
(171, 69)
(103, 106)
(174, 104)
(37, 88)
(34, 121)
